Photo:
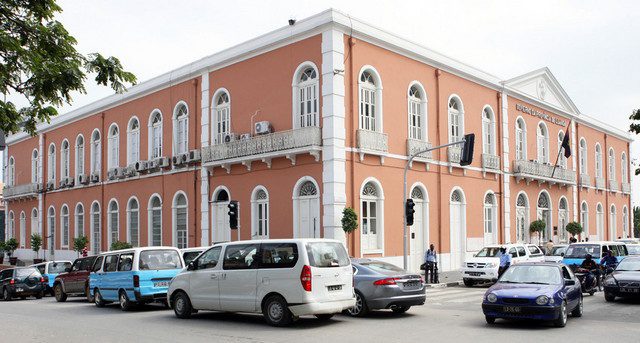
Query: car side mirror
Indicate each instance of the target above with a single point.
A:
(191, 266)
(569, 282)
(562, 254)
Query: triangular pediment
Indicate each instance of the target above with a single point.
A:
(543, 86)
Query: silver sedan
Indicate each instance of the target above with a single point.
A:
(381, 285)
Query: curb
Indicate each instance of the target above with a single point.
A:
(443, 285)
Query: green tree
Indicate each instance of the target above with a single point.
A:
(635, 128)
(574, 228)
(36, 243)
(10, 246)
(80, 243)
(538, 226)
(40, 62)
(118, 245)
(349, 220)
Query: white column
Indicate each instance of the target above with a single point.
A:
(39, 180)
(506, 190)
(205, 240)
(333, 134)
(574, 153)
(5, 163)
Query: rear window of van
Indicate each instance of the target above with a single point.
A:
(327, 254)
(159, 260)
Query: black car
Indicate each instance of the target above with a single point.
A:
(22, 283)
(624, 281)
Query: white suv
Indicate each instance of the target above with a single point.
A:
(282, 279)
(483, 266)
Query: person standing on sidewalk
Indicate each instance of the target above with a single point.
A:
(430, 261)
(505, 261)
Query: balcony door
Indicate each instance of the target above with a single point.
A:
(307, 203)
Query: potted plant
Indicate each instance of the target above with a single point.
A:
(574, 228)
(36, 244)
(537, 226)
(2, 248)
(349, 220)
(118, 245)
(80, 243)
(11, 245)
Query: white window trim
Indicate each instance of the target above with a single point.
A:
(296, 204)
(133, 135)
(95, 152)
(23, 230)
(543, 158)
(35, 222)
(598, 161)
(113, 147)
(492, 127)
(600, 229)
(423, 101)
(65, 155)
(65, 230)
(174, 218)
(51, 165)
(214, 115)
(150, 210)
(524, 138)
(80, 156)
(611, 164)
(11, 172)
(92, 227)
(150, 137)
(613, 222)
(494, 215)
(379, 113)
(584, 221)
(133, 198)
(51, 218)
(254, 213)
(379, 217)
(460, 114)
(35, 166)
(295, 92)
(583, 151)
(623, 168)
(109, 222)
(76, 214)
(527, 215)
(550, 208)
(176, 122)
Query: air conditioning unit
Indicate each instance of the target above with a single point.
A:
(120, 173)
(111, 174)
(153, 164)
(62, 183)
(230, 137)
(194, 156)
(141, 166)
(50, 185)
(245, 136)
(130, 170)
(95, 177)
(83, 179)
(179, 159)
(70, 182)
(263, 127)
(162, 162)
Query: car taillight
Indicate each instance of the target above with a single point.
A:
(386, 282)
(12, 281)
(305, 278)
(136, 281)
(42, 280)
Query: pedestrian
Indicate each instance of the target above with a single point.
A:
(586, 239)
(430, 260)
(505, 261)
(549, 246)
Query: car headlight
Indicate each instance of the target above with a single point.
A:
(542, 300)
(490, 265)
(492, 298)
(610, 282)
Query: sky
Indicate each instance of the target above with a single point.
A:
(592, 47)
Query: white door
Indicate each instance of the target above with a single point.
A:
(204, 281)
(221, 230)
(489, 225)
(417, 237)
(308, 221)
(238, 284)
(456, 253)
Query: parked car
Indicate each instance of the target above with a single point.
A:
(624, 281)
(483, 266)
(556, 254)
(577, 252)
(282, 279)
(633, 249)
(21, 283)
(381, 285)
(539, 291)
(75, 280)
(629, 240)
(189, 254)
(134, 276)
(50, 270)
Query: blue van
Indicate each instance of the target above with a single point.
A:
(51, 269)
(134, 276)
(576, 252)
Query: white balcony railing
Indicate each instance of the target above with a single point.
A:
(599, 183)
(490, 161)
(454, 153)
(613, 185)
(585, 180)
(307, 139)
(415, 145)
(533, 170)
(626, 188)
(26, 190)
(372, 142)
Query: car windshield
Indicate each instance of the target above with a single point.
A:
(190, 256)
(23, 273)
(581, 251)
(381, 266)
(545, 275)
(629, 266)
(557, 251)
(488, 252)
(633, 249)
(327, 254)
(159, 260)
(58, 267)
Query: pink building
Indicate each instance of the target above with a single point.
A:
(303, 121)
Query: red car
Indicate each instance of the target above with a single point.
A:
(75, 280)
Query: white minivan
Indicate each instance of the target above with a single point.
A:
(280, 278)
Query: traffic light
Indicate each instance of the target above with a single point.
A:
(409, 211)
(233, 214)
(466, 157)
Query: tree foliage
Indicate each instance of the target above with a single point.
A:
(636, 221)
(80, 243)
(574, 228)
(349, 220)
(118, 245)
(39, 60)
(10, 246)
(36, 242)
(635, 127)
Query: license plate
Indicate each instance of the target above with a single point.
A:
(511, 309)
(411, 284)
(161, 284)
(629, 290)
(474, 273)
(334, 288)
(19, 290)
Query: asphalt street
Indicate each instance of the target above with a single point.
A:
(450, 314)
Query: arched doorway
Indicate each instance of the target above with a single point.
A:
(458, 229)
(522, 218)
(419, 231)
(563, 218)
(544, 214)
(306, 207)
(220, 212)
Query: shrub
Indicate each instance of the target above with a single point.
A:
(349, 220)
(80, 243)
(118, 245)
(11, 245)
(36, 242)
(537, 226)
(574, 228)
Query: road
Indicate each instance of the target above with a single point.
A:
(450, 314)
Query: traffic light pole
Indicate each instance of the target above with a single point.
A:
(405, 258)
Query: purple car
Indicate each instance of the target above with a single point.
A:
(539, 291)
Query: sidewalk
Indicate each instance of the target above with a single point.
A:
(447, 279)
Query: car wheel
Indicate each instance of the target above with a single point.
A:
(87, 293)
(60, 295)
(5, 295)
(468, 282)
(97, 298)
(577, 312)
(40, 295)
(562, 316)
(276, 312)
(182, 306)
(324, 317)
(400, 309)
(609, 297)
(360, 309)
(490, 320)
(123, 300)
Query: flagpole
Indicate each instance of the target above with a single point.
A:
(560, 150)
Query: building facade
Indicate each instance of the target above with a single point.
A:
(309, 119)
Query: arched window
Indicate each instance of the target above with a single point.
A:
(306, 91)
(79, 230)
(12, 225)
(522, 217)
(181, 128)
(155, 135)
(95, 228)
(584, 217)
(180, 232)
(222, 116)
(625, 222)
(113, 222)
(133, 140)
(562, 161)
(613, 234)
(96, 153)
(490, 218)
(260, 214)
(35, 227)
(11, 172)
(612, 165)
(52, 229)
(417, 107)
(544, 214)
(563, 219)
(488, 131)
(113, 147)
(133, 222)
(600, 221)
(583, 157)
(155, 221)
(456, 119)
(64, 224)
(371, 217)
(220, 215)
(521, 139)
(23, 230)
(624, 168)
(79, 155)
(35, 166)
(370, 93)
(543, 143)
(598, 161)
(64, 159)
(51, 166)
